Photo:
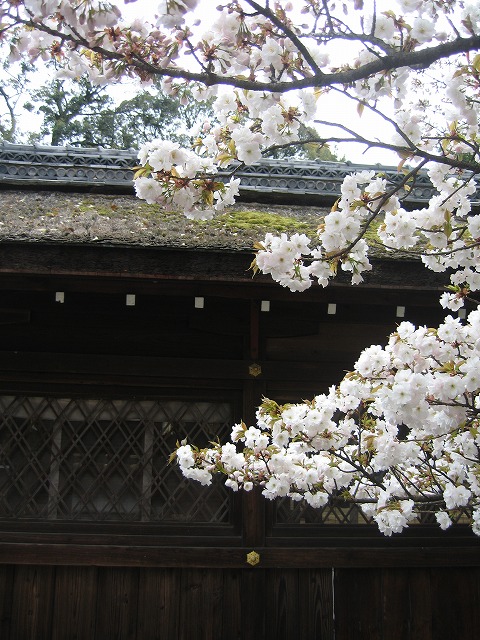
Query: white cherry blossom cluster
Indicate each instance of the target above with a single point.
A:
(183, 177)
(399, 435)
(294, 264)
(451, 233)
(445, 233)
(180, 178)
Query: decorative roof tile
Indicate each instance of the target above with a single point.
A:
(106, 169)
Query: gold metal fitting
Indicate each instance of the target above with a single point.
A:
(253, 558)
(254, 369)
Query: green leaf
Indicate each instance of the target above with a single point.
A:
(476, 62)
(253, 266)
(224, 158)
(142, 172)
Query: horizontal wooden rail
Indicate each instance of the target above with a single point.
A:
(79, 364)
(235, 557)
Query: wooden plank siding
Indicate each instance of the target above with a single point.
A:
(214, 604)
(74, 607)
(56, 603)
(407, 604)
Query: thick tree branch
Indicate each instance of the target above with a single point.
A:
(412, 151)
(421, 58)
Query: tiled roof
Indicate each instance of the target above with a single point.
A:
(51, 197)
(273, 180)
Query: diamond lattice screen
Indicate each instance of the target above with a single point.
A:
(342, 513)
(106, 460)
(290, 512)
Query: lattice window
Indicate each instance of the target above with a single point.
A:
(288, 512)
(106, 460)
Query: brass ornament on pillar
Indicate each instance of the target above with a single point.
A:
(253, 558)
(255, 370)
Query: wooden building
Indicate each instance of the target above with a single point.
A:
(125, 330)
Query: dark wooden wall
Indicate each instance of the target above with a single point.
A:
(83, 581)
(407, 604)
(114, 603)
(90, 603)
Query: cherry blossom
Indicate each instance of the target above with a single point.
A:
(348, 444)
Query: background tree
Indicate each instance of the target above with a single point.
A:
(15, 79)
(82, 114)
(153, 114)
(71, 111)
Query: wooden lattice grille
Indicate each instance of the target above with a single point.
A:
(106, 460)
(288, 512)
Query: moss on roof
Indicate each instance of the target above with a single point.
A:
(35, 216)
(124, 220)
